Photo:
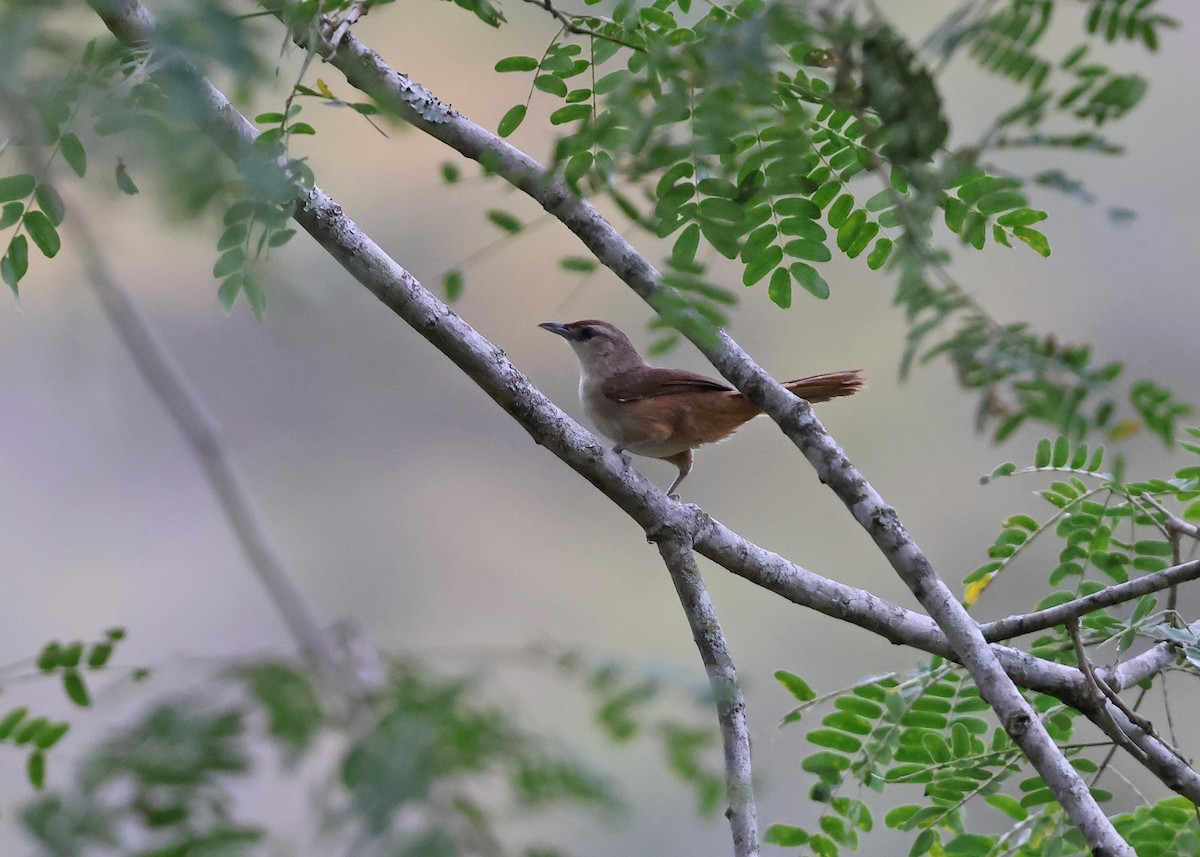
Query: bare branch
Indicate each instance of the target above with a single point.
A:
(674, 544)
(1027, 623)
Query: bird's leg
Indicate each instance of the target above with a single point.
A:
(625, 459)
(684, 462)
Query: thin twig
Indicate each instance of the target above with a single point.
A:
(356, 11)
(1040, 620)
(1100, 690)
(569, 24)
(1173, 522)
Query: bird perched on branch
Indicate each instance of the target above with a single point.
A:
(666, 413)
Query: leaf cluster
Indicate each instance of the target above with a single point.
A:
(169, 783)
(70, 662)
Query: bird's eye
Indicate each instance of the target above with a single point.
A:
(587, 333)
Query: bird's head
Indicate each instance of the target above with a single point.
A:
(601, 347)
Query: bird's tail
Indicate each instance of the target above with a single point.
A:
(831, 385)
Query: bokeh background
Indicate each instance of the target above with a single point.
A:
(402, 497)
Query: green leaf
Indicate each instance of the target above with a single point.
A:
(269, 118)
(35, 769)
(99, 655)
(825, 763)
(511, 120)
(878, 256)
(49, 656)
(1036, 240)
(75, 688)
(232, 237)
(683, 253)
(42, 233)
(29, 730)
(452, 284)
(1061, 453)
(785, 835)
(280, 237)
(51, 735)
(795, 685)
(504, 221)
(450, 172)
(1021, 217)
(301, 128)
(761, 264)
(16, 187)
(570, 113)
(238, 212)
(71, 655)
(228, 292)
(937, 747)
(10, 721)
(255, 296)
(517, 63)
(577, 167)
(835, 740)
(840, 211)
(16, 261)
(779, 290)
(812, 251)
(811, 281)
(578, 264)
(1041, 457)
(50, 202)
(230, 262)
(10, 214)
(922, 843)
(551, 83)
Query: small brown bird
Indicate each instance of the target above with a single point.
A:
(666, 413)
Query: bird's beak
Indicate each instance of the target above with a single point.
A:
(557, 327)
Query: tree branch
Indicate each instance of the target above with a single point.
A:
(1027, 623)
(675, 545)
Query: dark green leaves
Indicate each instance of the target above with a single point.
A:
(511, 120)
(42, 232)
(517, 63)
(16, 187)
(811, 281)
(73, 153)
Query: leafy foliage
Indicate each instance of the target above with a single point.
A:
(930, 728)
(71, 662)
(168, 784)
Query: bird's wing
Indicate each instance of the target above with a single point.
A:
(647, 382)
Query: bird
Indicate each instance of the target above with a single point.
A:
(666, 413)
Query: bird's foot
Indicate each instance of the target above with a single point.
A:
(625, 459)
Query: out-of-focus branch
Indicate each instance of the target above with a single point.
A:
(675, 545)
(169, 385)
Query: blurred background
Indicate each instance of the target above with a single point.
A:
(403, 498)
